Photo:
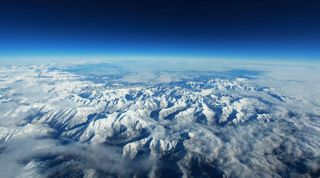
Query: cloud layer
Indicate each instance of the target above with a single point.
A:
(56, 122)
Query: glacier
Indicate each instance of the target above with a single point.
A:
(103, 120)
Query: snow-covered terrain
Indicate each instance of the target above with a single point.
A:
(59, 122)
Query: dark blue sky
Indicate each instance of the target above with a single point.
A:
(229, 28)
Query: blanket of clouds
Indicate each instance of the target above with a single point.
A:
(204, 119)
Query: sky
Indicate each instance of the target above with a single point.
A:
(287, 29)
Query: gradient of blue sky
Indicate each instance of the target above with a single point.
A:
(267, 29)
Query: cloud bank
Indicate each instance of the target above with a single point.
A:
(57, 122)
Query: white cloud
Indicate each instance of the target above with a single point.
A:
(264, 126)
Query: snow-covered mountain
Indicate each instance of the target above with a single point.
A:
(56, 122)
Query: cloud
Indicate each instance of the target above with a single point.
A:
(57, 124)
(44, 157)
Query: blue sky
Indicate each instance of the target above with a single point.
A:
(232, 29)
